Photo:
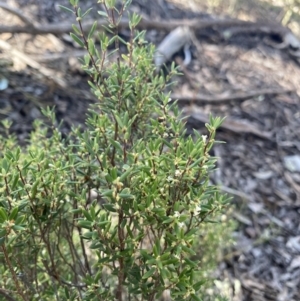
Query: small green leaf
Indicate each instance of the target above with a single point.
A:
(13, 213)
(125, 195)
(3, 215)
(87, 12)
(116, 144)
(102, 224)
(96, 245)
(2, 232)
(107, 192)
(76, 29)
(149, 273)
(109, 207)
(168, 220)
(87, 215)
(196, 298)
(91, 47)
(85, 224)
(129, 231)
(15, 181)
(87, 235)
(67, 293)
(66, 9)
(92, 31)
(18, 228)
(198, 284)
(103, 13)
(5, 165)
(23, 205)
(76, 211)
(191, 263)
(125, 174)
(118, 119)
(77, 39)
(188, 250)
(110, 3)
(34, 188)
(20, 219)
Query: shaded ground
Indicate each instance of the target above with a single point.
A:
(261, 130)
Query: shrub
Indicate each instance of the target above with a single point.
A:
(113, 212)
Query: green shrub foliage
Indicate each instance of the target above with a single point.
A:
(116, 211)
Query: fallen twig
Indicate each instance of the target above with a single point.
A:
(229, 124)
(17, 13)
(50, 57)
(146, 24)
(33, 64)
(226, 97)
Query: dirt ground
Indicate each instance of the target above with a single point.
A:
(252, 77)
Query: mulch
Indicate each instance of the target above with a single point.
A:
(242, 76)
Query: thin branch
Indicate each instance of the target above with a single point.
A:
(7, 294)
(13, 273)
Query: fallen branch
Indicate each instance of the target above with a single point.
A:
(17, 13)
(196, 24)
(145, 24)
(33, 64)
(226, 97)
(50, 57)
(229, 124)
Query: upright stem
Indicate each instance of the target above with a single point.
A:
(15, 278)
(121, 259)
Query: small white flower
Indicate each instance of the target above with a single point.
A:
(177, 173)
(176, 214)
(169, 179)
(180, 225)
(204, 138)
(198, 210)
